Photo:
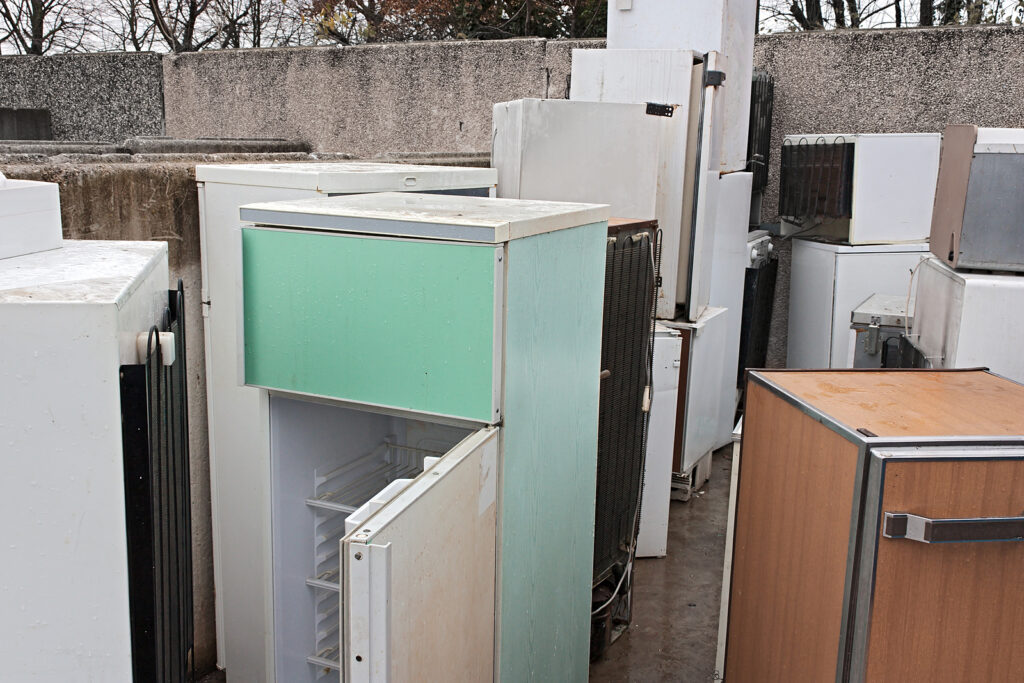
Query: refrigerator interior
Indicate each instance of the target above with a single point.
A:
(326, 461)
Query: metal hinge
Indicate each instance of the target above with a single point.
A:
(205, 302)
(714, 78)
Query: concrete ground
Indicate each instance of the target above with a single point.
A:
(674, 633)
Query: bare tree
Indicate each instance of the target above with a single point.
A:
(36, 27)
(810, 15)
(125, 25)
(260, 23)
(183, 25)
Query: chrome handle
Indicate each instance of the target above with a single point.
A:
(968, 530)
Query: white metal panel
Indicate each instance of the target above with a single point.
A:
(705, 368)
(479, 219)
(704, 386)
(811, 294)
(69, 319)
(637, 76)
(612, 153)
(349, 177)
(731, 257)
(426, 610)
(999, 141)
(652, 539)
(29, 217)
(938, 311)
(858, 276)
(723, 26)
(894, 179)
(239, 433)
(667, 77)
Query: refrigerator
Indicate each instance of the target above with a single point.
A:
(827, 281)
(873, 549)
(29, 217)
(648, 162)
(96, 559)
(979, 207)
(444, 340)
(859, 188)
(238, 416)
(966, 320)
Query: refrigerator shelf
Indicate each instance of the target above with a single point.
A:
(327, 658)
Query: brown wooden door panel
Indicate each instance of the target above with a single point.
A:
(952, 612)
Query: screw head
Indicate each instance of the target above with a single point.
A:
(359, 556)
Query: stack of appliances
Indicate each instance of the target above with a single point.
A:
(971, 288)
(96, 558)
(653, 128)
(859, 210)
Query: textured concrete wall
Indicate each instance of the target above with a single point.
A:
(370, 100)
(895, 81)
(108, 96)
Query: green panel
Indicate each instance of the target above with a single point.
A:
(401, 323)
(554, 299)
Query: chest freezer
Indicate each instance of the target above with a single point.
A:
(238, 415)
(857, 188)
(965, 320)
(447, 341)
(94, 468)
(645, 162)
(827, 282)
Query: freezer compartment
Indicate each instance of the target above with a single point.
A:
(328, 461)
(399, 324)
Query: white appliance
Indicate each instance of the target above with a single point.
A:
(698, 418)
(71, 318)
(732, 256)
(827, 281)
(858, 188)
(652, 538)
(636, 158)
(979, 206)
(29, 217)
(239, 420)
(966, 320)
(723, 26)
(876, 326)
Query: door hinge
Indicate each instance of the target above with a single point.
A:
(714, 78)
(204, 297)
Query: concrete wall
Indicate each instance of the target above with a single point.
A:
(370, 100)
(895, 81)
(108, 96)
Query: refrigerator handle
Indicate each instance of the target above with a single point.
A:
(964, 530)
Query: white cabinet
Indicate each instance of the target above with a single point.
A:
(29, 217)
(239, 415)
(70, 318)
(967, 320)
(827, 282)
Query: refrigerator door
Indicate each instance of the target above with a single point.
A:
(942, 546)
(417, 599)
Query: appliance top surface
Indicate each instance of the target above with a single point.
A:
(427, 215)
(707, 315)
(349, 176)
(81, 271)
(906, 403)
(886, 309)
(818, 243)
(852, 137)
(976, 279)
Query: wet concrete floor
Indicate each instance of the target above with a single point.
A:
(674, 631)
